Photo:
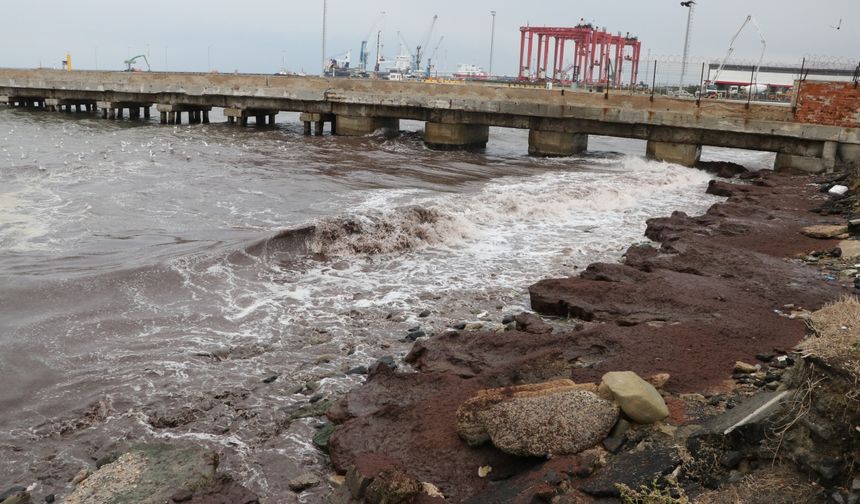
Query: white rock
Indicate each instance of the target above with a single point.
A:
(637, 398)
(838, 190)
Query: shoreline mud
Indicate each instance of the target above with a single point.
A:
(710, 293)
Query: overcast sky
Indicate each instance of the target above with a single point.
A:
(257, 35)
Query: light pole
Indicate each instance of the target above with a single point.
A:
(492, 42)
(689, 4)
(325, 11)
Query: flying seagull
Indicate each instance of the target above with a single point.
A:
(838, 25)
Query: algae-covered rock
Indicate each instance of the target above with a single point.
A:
(151, 474)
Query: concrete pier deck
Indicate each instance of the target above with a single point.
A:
(806, 135)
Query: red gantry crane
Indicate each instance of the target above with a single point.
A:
(599, 57)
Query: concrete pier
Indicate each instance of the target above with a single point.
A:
(172, 113)
(262, 117)
(554, 143)
(316, 122)
(818, 131)
(114, 109)
(347, 125)
(678, 153)
(442, 136)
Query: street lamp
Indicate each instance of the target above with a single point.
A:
(492, 42)
(325, 12)
(689, 4)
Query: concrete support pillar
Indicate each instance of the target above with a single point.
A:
(848, 156)
(442, 136)
(798, 164)
(146, 111)
(163, 117)
(179, 117)
(318, 128)
(271, 119)
(260, 120)
(678, 153)
(231, 120)
(205, 117)
(119, 112)
(243, 120)
(112, 113)
(104, 113)
(359, 125)
(554, 143)
(307, 125)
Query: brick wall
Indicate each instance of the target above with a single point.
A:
(829, 103)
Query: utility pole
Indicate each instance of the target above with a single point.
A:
(325, 12)
(689, 4)
(492, 43)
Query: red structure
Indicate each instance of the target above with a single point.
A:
(599, 57)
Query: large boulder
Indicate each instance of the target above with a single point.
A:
(637, 398)
(154, 474)
(557, 417)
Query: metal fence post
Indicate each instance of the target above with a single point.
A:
(653, 80)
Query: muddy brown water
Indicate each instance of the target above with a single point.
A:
(196, 284)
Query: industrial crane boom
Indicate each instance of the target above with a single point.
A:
(424, 41)
(364, 56)
(129, 62)
(433, 55)
(748, 20)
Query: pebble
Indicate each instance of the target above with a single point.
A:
(423, 314)
(613, 444)
(507, 319)
(11, 491)
(552, 477)
(49, 498)
(414, 328)
(388, 360)
(81, 476)
(484, 316)
(304, 482)
(473, 326)
(765, 357)
(743, 367)
(460, 326)
(361, 370)
(182, 495)
(270, 379)
(412, 336)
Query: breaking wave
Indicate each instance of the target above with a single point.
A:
(513, 205)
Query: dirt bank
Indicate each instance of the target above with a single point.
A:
(711, 290)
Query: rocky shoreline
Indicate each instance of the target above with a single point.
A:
(661, 378)
(715, 306)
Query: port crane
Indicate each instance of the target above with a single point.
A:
(423, 43)
(433, 55)
(364, 55)
(749, 20)
(129, 62)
